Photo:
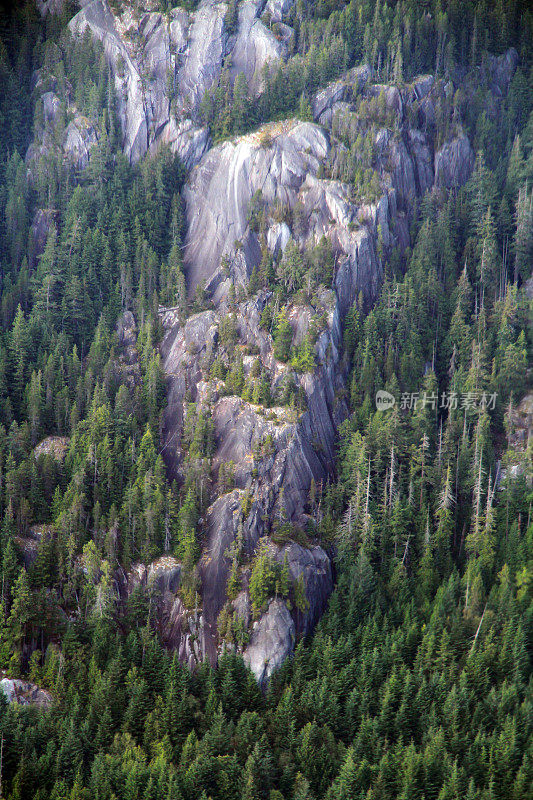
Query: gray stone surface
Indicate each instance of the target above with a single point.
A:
(255, 45)
(278, 8)
(50, 7)
(145, 50)
(453, 163)
(313, 566)
(221, 187)
(285, 162)
(202, 61)
(24, 694)
(43, 221)
(326, 99)
(79, 138)
(290, 164)
(272, 640)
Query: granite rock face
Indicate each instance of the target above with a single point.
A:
(132, 103)
(25, 694)
(275, 162)
(43, 222)
(269, 461)
(79, 135)
(453, 163)
(50, 7)
(155, 57)
(149, 51)
(255, 45)
(272, 640)
(278, 8)
(202, 59)
(180, 629)
(286, 165)
(312, 566)
(79, 138)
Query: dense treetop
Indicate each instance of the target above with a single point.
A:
(417, 682)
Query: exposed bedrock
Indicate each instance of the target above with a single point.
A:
(155, 57)
(254, 46)
(287, 165)
(180, 629)
(275, 161)
(25, 694)
(295, 173)
(271, 641)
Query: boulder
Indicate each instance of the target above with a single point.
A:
(55, 446)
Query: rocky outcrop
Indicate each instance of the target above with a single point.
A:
(97, 17)
(79, 136)
(30, 544)
(43, 222)
(277, 9)
(518, 459)
(292, 173)
(453, 163)
(25, 694)
(271, 480)
(275, 162)
(188, 141)
(499, 71)
(180, 629)
(312, 566)
(255, 45)
(339, 91)
(157, 57)
(50, 7)
(277, 453)
(203, 56)
(272, 640)
(54, 446)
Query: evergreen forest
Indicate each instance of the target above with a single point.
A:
(416, 683)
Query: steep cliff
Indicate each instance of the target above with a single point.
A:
(164, 63)
(350, 177)
(285, 165)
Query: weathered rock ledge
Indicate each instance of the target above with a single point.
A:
(288, 165)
